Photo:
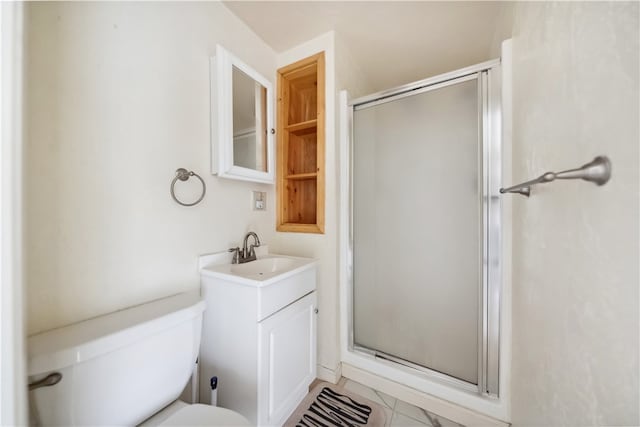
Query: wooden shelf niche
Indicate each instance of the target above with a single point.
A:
(300, 151)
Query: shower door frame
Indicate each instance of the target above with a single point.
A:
(488, 75)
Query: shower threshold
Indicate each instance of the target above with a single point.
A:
(416, 369)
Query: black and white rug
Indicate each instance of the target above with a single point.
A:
(329, 406)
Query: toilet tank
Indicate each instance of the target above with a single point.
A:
(117, 369)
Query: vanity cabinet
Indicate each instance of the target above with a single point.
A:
(300, 146)
(259, 339)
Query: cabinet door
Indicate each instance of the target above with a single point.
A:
(286, 360)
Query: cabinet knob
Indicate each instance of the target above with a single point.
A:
(315, 311)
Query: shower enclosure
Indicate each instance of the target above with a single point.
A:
(425, 228)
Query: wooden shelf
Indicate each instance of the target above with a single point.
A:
(311, 175)
(300, 152)
(302, 126)
(299, 228)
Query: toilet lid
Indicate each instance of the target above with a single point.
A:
(205, 415)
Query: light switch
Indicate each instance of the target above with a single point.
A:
(259, 200)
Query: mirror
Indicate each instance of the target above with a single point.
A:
(249, 122)
(242, 120)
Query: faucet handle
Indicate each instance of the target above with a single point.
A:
(236, 255)
(252, 250)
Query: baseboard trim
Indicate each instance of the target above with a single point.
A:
(330, 375)
(430, 403)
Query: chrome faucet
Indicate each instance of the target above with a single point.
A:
(249, 254)
(245, 254)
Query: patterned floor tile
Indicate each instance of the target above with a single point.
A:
(368, 393)
(388, 412)
(439, 421)
(404, 421)
(411, 411)
(398, 413)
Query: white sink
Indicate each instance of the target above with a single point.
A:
(264, 268)
(267, 269)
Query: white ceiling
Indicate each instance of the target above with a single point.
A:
(394, 42)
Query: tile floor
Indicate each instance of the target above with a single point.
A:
(398, 413)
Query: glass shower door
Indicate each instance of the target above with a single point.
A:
(418, 227)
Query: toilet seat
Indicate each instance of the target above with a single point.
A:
(205, 415)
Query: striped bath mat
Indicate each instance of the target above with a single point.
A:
(326, 407)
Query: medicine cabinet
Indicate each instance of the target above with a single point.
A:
(241, 120)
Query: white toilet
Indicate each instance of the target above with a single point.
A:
(123, 368)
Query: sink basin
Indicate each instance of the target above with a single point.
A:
(267, 269)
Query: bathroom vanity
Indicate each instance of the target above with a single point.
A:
(258, 334)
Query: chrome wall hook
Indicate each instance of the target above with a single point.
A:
(597, 171)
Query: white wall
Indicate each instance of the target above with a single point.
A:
(349, 73)
(341, 72)
(118, 99)
(575, 245)
(320, 246)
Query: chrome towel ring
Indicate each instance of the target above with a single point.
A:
(183, 175)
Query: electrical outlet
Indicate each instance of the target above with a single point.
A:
(259, 200)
